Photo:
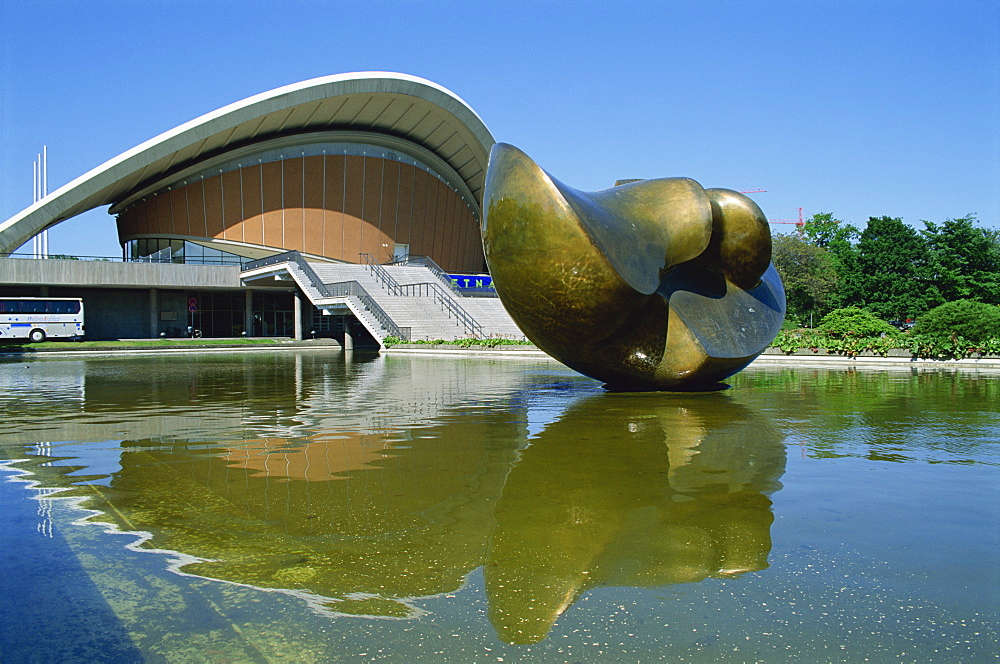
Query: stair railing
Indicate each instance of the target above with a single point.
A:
(386, 280)
(428, 262)
(355, 289)
(340, 289)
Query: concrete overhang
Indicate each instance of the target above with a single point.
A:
(401, 108)
(112, 274)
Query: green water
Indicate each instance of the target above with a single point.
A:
(260, 506)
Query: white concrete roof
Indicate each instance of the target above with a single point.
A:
(404, 107)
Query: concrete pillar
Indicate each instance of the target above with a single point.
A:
(348, 339)
(297, 313)
(248, 312)
(154, 312)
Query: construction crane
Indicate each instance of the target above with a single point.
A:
(800, 222)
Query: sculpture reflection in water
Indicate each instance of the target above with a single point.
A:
(637, 490)
(652, 284)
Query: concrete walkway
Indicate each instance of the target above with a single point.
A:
(771, 357)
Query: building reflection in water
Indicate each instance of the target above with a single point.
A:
(615, 490)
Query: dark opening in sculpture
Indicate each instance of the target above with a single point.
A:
(653, 284)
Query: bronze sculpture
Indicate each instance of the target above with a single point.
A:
(653, 284)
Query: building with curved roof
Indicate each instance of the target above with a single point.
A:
(371, 163)
(236, 222)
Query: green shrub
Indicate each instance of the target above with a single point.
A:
(966, 319)
(854, 322)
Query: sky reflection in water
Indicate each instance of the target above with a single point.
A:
(496, 498)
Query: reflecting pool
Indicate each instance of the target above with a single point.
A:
(312, 506)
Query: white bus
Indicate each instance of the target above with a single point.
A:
(38, 318)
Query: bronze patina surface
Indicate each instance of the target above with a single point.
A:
(653, 284)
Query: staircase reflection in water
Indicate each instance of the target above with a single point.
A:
(617, 490)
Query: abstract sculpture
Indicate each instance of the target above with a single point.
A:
(653, 284)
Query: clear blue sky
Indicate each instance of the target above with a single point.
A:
(856, 108)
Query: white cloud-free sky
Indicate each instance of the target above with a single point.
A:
(856, 108)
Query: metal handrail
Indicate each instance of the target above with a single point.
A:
(425, 288)
(435, 269)
(355, 289)
(340, 289)
(384, 278)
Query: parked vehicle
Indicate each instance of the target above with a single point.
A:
(39, 318)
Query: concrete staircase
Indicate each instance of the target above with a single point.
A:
(490, 313)
(383, 297)
(335, 297)
(426, 318)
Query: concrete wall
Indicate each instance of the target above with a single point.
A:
(122, 300)
(116, 314)
(27, 271)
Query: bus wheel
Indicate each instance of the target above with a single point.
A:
(36, 336)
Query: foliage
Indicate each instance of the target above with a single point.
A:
(924, 346)
(855, 322)
(975, 322)
(790, 341)
(819, 341)
(808, 273)
(893, 270)
(822, 229)
(966, 260)
(489, 342)
(838, 240)
(897, 272)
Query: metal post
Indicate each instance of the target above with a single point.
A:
(39, 190)
(45, 192)
(36, 242)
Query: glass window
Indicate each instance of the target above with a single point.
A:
(163, 250)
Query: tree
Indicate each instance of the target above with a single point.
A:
(894, 272)
(965, 260)
(837, 238)
(821, 229)
(808, 273)
(973, 321)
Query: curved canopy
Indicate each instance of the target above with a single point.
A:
(400, 106)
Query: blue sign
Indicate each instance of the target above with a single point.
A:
(477, 282)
